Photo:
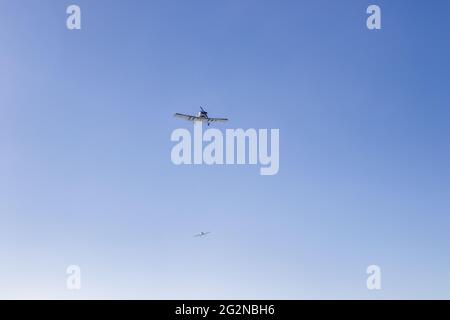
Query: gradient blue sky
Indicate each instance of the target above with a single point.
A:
(86, 175)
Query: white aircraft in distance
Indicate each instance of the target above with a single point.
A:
(201, 116)
(202, 234)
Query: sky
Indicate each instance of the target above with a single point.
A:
(86, 176)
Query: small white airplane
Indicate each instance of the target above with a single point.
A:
(202, 234)
(201, 116)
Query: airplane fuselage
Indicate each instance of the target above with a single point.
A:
(203, 116)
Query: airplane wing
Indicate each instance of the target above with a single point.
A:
(185, 116)
(217, 119)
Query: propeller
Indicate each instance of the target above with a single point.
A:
(205, 113)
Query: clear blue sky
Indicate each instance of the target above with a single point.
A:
(85, 170)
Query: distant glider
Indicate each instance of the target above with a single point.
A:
(202, 116)
(202, 234)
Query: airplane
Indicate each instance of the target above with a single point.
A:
(201, 116)
(202, 234)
